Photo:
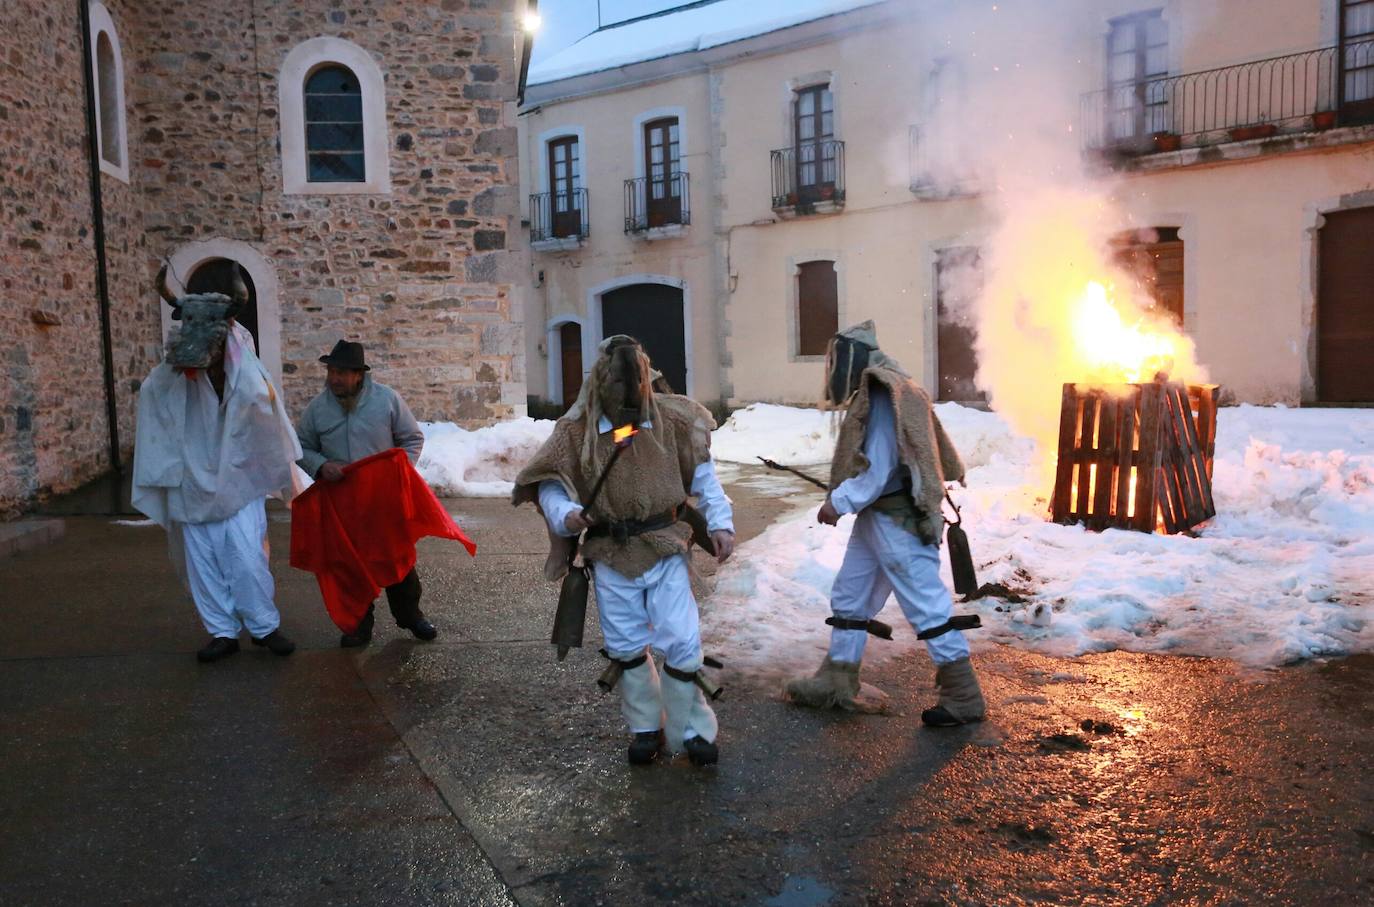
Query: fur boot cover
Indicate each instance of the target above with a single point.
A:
(685, 706)
(836, 685)
(961, 699)
(641, 699)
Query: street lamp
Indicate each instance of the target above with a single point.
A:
(531, 22)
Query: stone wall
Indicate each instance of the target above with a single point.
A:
(421, 275)
(53, 431)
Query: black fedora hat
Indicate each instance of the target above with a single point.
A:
(347, 354)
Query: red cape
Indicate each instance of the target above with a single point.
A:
(359, 535)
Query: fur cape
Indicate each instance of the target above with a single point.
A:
(922, 445)
(652, 476)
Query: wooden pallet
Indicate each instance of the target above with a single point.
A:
(1136, 456)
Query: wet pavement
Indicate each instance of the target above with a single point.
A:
(479, 770)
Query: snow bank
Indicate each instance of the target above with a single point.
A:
(481, 463)
(1285, 572)
(787, 434)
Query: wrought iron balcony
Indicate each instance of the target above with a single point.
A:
(559, 216)
(651, 204)
(807, 175)
(1302, 92)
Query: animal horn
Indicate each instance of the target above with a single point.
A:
(238, 292)
(162, 289)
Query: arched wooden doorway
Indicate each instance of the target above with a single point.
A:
(570, 360)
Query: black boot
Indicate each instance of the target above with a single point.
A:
(423, 629)
(359, 637)
(645, 747)
(217, 648)
(701, 752)
(276, 643)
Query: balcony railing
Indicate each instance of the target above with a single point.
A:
(650, 203)
(558, 215)
(808, 174)
(940, 165)
(1313, 90)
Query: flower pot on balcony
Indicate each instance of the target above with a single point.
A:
(1166, 141)
(791, 198)
(827, 193)
(1323, 119)
(1258, 131)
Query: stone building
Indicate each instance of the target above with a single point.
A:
(736, 179)
(355, 157)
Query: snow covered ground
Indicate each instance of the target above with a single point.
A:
(1284, 572)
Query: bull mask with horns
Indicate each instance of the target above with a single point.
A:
(205, 319)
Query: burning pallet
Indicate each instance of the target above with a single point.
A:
(1136, 456)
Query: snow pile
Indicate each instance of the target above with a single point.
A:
(481, 463)
(787, 434)
(682, 31)
(1285, 572)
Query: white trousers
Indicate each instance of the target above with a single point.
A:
(656, 610)
(882, 559)
(226, 567)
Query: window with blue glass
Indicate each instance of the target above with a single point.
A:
(334, 127)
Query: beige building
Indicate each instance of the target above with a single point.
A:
(734, 180)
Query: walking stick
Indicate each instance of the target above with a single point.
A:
(796, 472)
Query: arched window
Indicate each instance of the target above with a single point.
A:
(334, 127)
(333, 120)
(108, 66)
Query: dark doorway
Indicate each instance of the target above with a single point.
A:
(570, 360)
(958, 283)
(652, 314)
(1345, 308)
(217, 276)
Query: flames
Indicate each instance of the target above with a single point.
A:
(1055, 308)
(624, 434)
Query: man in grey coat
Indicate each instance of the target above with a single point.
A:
(352, 418)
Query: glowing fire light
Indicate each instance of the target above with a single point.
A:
(1112, 350)
(624, 434)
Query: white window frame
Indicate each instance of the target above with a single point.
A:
(304, 60)
(103, 24)
(579, 182)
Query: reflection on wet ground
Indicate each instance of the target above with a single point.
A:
(480, 770)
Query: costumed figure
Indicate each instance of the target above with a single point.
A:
(892, 459)
(631, 501)
(213, 441)
(363, 537)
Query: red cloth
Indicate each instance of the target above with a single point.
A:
(359, 535)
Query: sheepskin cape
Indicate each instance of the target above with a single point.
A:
(652, 476)
(922, 446)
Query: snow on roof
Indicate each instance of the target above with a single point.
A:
(692, 28)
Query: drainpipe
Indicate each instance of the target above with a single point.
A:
(102, 276)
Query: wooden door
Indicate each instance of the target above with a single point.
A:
(1154, 258)
(958, 282)
(1345, 308)
(652, 314)
(662, 161)
(566, 212)
(570, 359)
(1356, 84)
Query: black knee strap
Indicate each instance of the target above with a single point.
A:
(697, 677)
(957, 622)
(876, 627)
(628, 664)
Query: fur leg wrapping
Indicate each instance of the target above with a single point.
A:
(641, 700)
(960, 694)
(834, 685)
(687, 711)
